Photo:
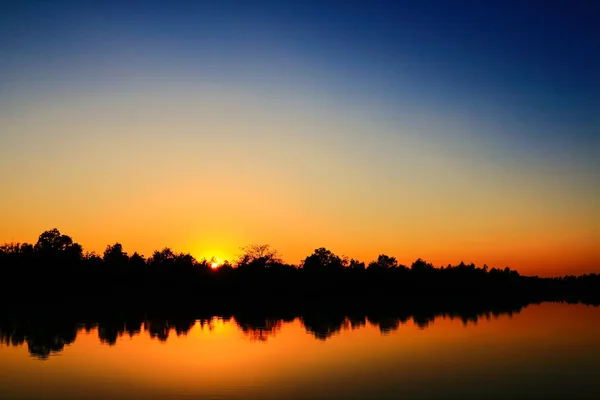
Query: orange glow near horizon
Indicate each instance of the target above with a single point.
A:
(537, 256)
(277, 182)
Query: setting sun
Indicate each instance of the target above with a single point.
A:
(215, 263)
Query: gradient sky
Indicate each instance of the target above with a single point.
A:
(445, 130)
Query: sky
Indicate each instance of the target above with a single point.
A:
(450, 131)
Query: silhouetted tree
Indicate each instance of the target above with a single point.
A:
(256, 256)
(52, 242)
(115, 255)
(322, 260)
(384, 262)
(421, 266)
(356, 265)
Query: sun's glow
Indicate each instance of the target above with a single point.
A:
(215, 263)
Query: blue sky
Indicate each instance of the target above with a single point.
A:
(525, 71)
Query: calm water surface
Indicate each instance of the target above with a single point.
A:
(547, 351)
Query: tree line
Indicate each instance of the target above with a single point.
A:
(56, 267)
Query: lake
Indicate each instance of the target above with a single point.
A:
(542, 351)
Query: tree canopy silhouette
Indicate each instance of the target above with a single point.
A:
(56, 268)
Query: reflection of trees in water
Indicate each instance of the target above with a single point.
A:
(324, 326)
(357, 321)
(161, 328)
(260, 329)
(386, 324)
(45, 336)
(110, 331)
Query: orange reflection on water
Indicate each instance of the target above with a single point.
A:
(218, 359)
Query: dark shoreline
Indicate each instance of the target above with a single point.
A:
(55, 274)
